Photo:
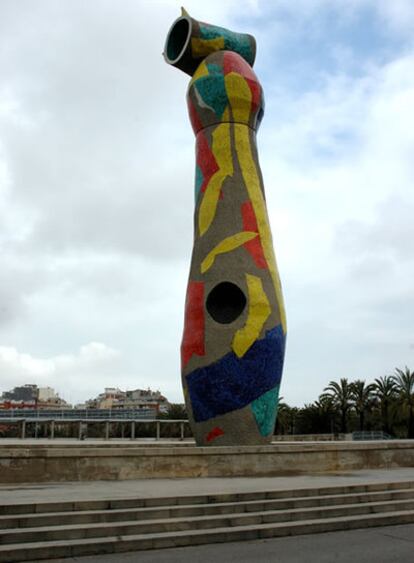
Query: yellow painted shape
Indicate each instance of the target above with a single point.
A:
(240, 96)
(203, 47)
(201, 71)
(259, 311)
(221, 148)
(226, 115)
(226, 245)
(184, 12)
(251, 179)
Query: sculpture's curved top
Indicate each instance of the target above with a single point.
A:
(190, 41)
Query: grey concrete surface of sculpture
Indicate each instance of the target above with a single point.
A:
(233, 344)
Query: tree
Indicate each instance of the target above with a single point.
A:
(286, 417)
(362, 399)
(176, 411)
(404, 381)
(327, 408)
(385, 390)
(341, 396)
(317, 418)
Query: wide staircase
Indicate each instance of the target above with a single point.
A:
(32, 532)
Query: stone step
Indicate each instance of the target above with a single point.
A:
(53, 533)
(192, 510)
(90, 505)
(13, 553)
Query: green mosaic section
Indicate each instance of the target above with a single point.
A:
(212, 90)
(237, 42)
(265, 410)
(199, 179)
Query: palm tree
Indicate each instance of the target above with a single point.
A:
(286, 418)
(282, 418)
(176, 411)
(341, 396)
(404, 381)
(362, 398)
(385, 390)
(326, 407)
(317, 417)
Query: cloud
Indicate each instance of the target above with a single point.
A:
(398, 15)
(88, 134)
(388, 237)
(71, 374)
(338, 172)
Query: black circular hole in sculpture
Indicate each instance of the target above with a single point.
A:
(177, 39)
(225, 302)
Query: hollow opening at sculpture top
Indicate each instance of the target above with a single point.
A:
(225, 302)
(177, 39)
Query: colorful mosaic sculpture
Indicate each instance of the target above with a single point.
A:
(235, 327)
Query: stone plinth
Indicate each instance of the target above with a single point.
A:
(44, 463)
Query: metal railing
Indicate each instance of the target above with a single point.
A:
(50, 425)
(371, 435)
(140, 413)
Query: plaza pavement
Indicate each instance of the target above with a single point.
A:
(390, 544)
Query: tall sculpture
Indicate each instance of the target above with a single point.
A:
(235, 327)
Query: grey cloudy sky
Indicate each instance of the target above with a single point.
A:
(96, 188)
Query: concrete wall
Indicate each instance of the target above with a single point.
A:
(37, 463)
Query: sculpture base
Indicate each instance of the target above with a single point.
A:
(72, 461)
